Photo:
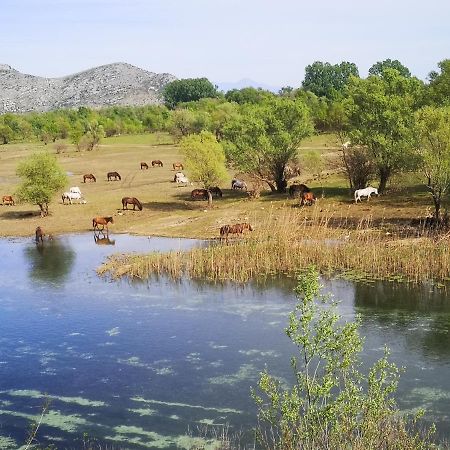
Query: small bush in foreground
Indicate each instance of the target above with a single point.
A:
(331, 405)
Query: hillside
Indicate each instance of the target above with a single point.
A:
(108, 85)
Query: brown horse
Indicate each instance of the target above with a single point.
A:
(131, 201)
(103, 221)
(237, 228)
(144, 165)
(216, 191)
(177, 166)
(297, 190)
(308, 198)
(89, 176)
(157, 162)
(8, 200)
(111, 175)
(199, 194)
(39, 235)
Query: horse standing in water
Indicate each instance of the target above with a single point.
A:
(39, 235)
(103, 221)
(131, 201)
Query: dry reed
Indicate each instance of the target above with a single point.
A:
(288, 241)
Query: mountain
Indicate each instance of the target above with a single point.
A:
(108, 85)
(245, 82)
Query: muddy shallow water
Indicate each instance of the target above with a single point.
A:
(143, 363)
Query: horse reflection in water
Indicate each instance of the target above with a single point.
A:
(101, 239)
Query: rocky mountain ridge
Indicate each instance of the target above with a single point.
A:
(108, 85)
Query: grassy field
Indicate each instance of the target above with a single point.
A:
(168, 210)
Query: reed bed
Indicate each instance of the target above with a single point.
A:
(288, 240)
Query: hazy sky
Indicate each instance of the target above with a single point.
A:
(270, 41)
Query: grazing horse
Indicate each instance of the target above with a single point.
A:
(297, 190)
(8, 200)
(75, 190)
(157, 162)
(308, 198)
(144, 165)
(111, 175)
(89, 176)
(238, 184)
(131, 201)
(103, 221)
(72, 196)
(178, 175)
(237, 228)
(183, 180)
(216, 191)
(177, 166)
(367, 192)
(199, 194)
(39, 235)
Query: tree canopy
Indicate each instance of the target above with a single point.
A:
(248, 95)
(264, 139)
(378, 68)
(42, 177)
(439, 87)
(188, 90)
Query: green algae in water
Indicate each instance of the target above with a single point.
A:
(245, 372)
(8, 443)
(144, 411)
(36, 394)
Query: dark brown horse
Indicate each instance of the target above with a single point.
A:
(131, 201)
(237, 228)
(308, 198)
(216, 191)
(111, 175)
(177, 166)
(89, 176)
(199, 194)
(297, 190)
(39, 235)
(144, 165)
(103, 221)
(8, 200)
(157, 162)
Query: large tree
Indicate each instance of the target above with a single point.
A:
(433, 139)
(264, 139)
(248, 95)
(188, 90)
(379, 67)
(42, 177)
(205, 160)
(381, 117)
(327, 80)
(439, 87)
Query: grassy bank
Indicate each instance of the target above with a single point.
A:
(288, 240)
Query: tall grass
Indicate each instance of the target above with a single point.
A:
(287, 241)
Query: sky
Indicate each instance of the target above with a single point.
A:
(269, 41)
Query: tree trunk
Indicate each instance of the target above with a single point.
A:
(209, 199)
(44, 209)
(272, 186)
(280, 179)
(384, 173)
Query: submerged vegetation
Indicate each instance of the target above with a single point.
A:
(287, 241)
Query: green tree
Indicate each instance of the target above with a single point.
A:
(6, 134)
(439, 87)
(42, 177)
(263, 139)
(327, 80)
(433, 139)
(205, 160)
(381, 117)
(188, 90)
(331, 405)
(378, 68)
(248, 95)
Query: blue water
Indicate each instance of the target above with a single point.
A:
(144, 365)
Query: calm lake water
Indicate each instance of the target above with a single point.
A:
(138, 365)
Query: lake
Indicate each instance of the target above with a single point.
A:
(147, 364)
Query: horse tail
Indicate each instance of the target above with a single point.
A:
(94, 222)
(355, 195)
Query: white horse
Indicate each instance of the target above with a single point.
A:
(346, 145)
(75, 190)
(183, 180)
(178, 175)
(238, 184)
(366, 192)
(72, 196)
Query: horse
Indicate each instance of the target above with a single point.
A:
(89, 176)
(178, 175)
(96, 221)
(111, 175)
(297, 190)
(183, 180)
(308, 198)
(157, 162)
(238, 184)
(39, 235)
(216, 191)
(199, 194)
(144, 165)
(75, 190)
(237, 228)
(346, 145)
(131, 201)
(105, 240)
(367, 192)
(177, 166)
(8, 200)
(72, 196)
